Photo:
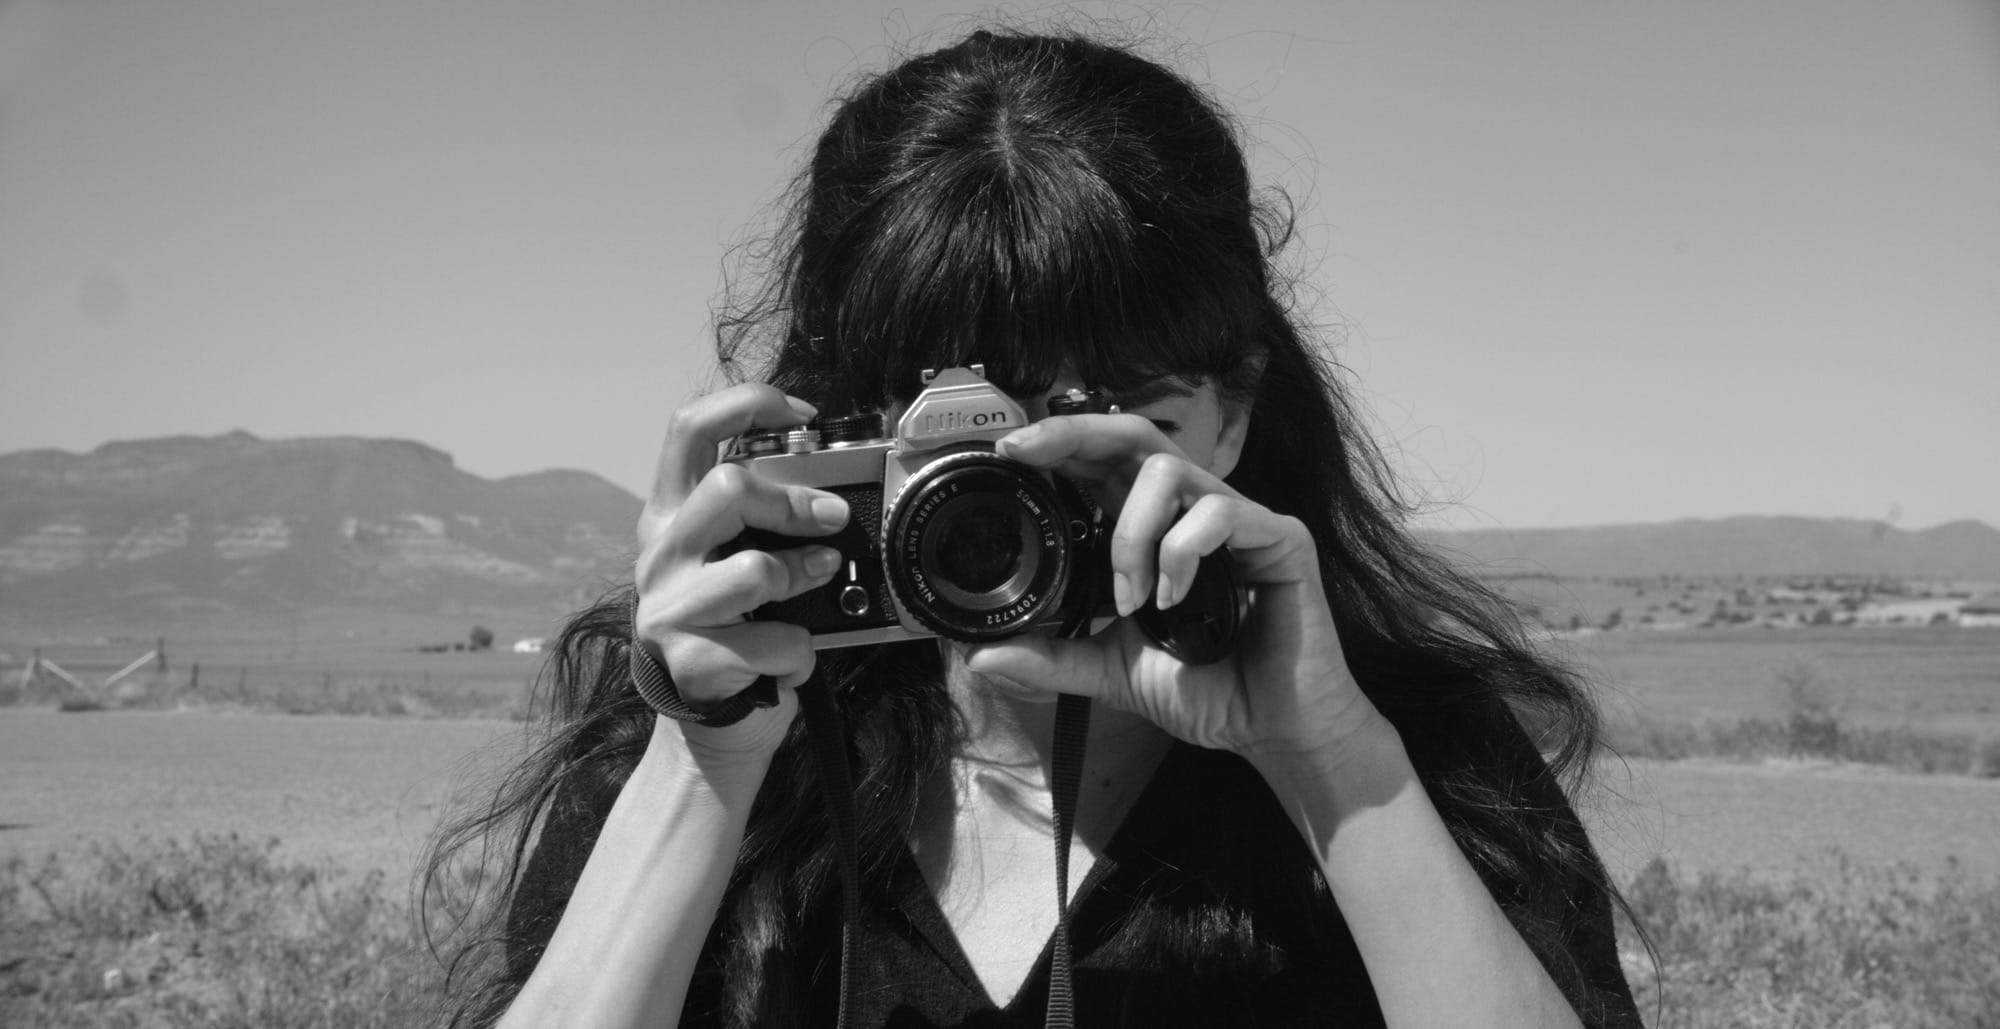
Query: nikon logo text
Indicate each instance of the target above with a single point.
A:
(949, 421)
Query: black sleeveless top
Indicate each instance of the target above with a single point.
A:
(1205, 909)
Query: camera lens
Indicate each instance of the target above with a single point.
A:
(977, 546)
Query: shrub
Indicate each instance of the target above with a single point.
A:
(1842, 946)
(214, 931)
(1811, 721)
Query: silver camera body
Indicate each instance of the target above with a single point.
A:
(945, 537)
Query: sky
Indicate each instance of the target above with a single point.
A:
(1584, 262)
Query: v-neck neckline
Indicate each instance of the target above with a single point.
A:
(920, 906)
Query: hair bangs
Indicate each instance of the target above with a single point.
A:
(1028, 261)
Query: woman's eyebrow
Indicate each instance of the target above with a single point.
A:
(1148, 392)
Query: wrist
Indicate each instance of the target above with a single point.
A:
(727, 763)
(1325, 786)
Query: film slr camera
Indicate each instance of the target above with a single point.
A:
(948, 538)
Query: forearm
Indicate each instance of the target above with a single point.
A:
(1437, 947)
(635, 924)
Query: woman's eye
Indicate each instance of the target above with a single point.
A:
(1167, 426)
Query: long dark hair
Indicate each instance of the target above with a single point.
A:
(1036, 203)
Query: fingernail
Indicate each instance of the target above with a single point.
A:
(830, 511)
(803, 409)
(1164, 592)
(821, 561)
(1121, 593)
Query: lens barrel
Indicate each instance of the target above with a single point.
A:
(977, 547)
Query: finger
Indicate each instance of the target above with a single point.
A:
(1265, 544)
(1206, 526)
(720, 593)
(713, 664)
(1081, 667)
(1166, 485)
(1149, 509)
(731, 498)
(701, 426)
(1077, 445)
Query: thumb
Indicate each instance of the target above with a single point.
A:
(1049, 663)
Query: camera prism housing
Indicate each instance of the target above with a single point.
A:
(944, 537)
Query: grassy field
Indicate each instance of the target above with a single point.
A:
(217, 931)
(1916, 699)
(211, 861)
(1943, 678)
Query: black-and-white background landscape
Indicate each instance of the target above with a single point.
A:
(337, 341)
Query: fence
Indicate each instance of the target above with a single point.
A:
(90, 682)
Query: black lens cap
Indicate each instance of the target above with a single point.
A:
(1202, 628)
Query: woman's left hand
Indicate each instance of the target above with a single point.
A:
(1286, 689)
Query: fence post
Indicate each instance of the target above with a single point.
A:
(160, 652)
(194, 677)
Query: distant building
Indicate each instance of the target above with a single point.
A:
(531, 645)
(1909, 612)
(1982, 612)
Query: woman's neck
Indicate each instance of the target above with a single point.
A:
(1007, 751)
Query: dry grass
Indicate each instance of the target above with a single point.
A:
(1812, 723)
(1854, 947)
(213, 931)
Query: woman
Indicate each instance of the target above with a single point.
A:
(1344, 822)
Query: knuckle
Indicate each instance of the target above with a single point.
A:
(1125, 540)
(731, 480)
(684, 422)
(799, 501)
(757, 573)
(1216, 505)
(681, 655)
(1161, 464)
(772, 571)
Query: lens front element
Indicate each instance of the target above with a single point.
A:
(981, 551)
(977, 546)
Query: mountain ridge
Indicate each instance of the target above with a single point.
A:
(238, 522)
(1754, 545)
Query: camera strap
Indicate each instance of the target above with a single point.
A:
(824, 730)
(826, 733)
(1065, 775)
(1072, 731)
(828, 739)
(1072, 735)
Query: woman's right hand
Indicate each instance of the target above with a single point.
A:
(692, 600)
